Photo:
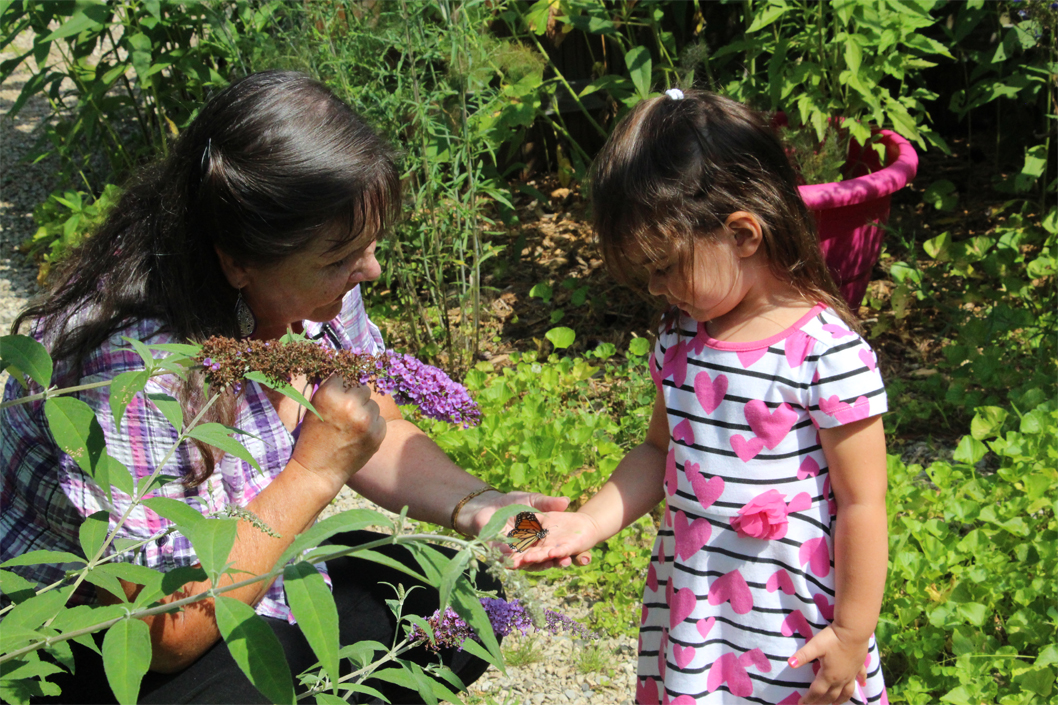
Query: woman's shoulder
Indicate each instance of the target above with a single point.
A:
(116, 354)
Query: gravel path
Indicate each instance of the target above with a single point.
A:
(542, 668)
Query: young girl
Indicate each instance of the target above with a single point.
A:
(765, 442)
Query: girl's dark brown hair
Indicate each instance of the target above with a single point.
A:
(674, 170)
(270, 163)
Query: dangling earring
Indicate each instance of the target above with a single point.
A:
(244, 317)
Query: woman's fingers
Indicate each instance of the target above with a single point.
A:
(348, 434)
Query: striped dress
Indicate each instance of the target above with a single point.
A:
(742, 572)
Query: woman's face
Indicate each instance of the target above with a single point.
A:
(308, 285)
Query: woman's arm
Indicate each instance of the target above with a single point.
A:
(855, 455)
(328, 452)
(634, 488)
(411, 470)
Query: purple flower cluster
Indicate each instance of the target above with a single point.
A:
(450, 630)
(225, 362)
(409, 381)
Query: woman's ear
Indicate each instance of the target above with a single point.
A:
(234, 272)
(747, 231)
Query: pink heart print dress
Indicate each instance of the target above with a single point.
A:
(742, 573)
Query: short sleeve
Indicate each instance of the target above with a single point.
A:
(847, 385)
(362, 333)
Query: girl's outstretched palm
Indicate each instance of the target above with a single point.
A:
(570, 535)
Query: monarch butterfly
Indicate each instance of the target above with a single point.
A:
(527, 531)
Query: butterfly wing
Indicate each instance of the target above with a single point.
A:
(527, 531)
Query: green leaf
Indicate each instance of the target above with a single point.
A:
(126, 658)
(351, 520)
(969, 451)
(124, 387)
(255, 648)
(16, 587)
(76, 430)
(142, 350)
(213, 540)
(39, 557)
(467, 605)
(216, 435)
(987, 422)
(178, 577)
(941, 195)
(541, 290)
(180, 513)
(93, 532)
(37, 610)
(561, 337)
(774, 11)
(284, 388)
(120, 477)
(939, 248)
(28, 357)
(639, 346)
(313, 606)
(451, 575)
(639, 64)
(498, 520)
(88, 18)
(170, 409)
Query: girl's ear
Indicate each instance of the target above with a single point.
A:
(234, 272)
(747, 230)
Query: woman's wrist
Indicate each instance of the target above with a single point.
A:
(466, 513)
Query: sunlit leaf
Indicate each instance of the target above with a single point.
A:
(25, 355)
(126, 658)
(255, 648)
(313, 606)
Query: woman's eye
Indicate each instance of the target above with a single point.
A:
(340, 263)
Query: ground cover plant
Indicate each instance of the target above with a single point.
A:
(495, 276)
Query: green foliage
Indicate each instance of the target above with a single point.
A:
(121, 78)
(969, 613)
(37, 619)
(998, 294)
(64, 221)
(817, 61)
(560, 426)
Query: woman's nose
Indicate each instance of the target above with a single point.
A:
(369, 269)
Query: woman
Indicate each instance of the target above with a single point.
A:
(263, 219)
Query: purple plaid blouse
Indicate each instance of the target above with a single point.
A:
(45, 495)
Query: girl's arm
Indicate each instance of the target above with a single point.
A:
(634, 488)
(856, 456)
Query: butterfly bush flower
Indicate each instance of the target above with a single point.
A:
(450, 630)
(227, 361)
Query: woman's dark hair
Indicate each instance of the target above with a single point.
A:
(674, 170)
(268, 164)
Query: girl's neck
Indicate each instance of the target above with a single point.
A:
(769, 307)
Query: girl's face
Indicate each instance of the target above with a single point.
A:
(308, 285)
(710, 286)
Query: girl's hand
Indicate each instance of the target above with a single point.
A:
(350, 432)
(570, 536)
(841, 666)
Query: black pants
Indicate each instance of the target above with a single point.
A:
(363, 614)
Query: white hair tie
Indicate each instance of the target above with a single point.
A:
(674, 93)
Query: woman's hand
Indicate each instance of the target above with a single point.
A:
(351, 430)
(477, 512)
(841, 666)
(570, 536)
